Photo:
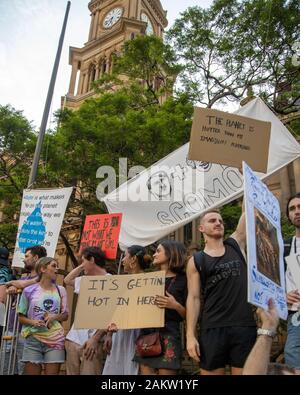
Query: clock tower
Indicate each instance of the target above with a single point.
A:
(112, 23)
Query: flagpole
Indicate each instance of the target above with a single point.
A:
(38, 148)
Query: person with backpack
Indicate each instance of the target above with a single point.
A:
(217, 291)
(292, 260)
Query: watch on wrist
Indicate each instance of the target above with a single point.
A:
(266, 332)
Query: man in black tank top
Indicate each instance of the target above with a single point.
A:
(219, 274)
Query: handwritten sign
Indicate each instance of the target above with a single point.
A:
(42, 213)
(102, 231)
(228, 139)
(126, 300)
(264, 245)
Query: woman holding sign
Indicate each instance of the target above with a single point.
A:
(42, 308)
(121, 345)
(170, 256)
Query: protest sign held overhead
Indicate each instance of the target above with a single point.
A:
(102, 231)
(264, 245)
(145, 222)
(127, 301)
(42, 213)
(228, 139)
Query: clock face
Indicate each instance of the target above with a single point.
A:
(112, 17)
(149, 29)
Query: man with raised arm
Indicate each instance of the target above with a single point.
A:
(218, 276)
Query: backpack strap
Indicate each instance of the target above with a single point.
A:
(287, 245)
(199, 259)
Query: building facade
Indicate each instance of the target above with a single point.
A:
(112, 23)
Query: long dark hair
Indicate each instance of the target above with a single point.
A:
(144, 260)
(177, 255)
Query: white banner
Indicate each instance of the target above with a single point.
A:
(266, 277)
(41, 216)
(175, 190)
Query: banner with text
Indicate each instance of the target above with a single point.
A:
(180, 189)
(264, 245)
(42, 213)
(125, 300)
(228, 139)
(102, 231)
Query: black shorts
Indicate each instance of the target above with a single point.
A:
(226, 346)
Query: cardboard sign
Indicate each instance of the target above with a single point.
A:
(228, 139)
(42, 213)
(126, 300)
(102, 231)
(266, 277)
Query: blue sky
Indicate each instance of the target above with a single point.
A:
(29, 34)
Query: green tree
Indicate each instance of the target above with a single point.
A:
(146, 68)
(108, 128)
(231, 214)
(125, 120)
(235, 47)
(17, 143)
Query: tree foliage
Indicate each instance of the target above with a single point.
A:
(146, 69)
(17, 144)
(235, 47)
(133, 117)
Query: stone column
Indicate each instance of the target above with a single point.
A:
(86, 81)
(296, 166)
(92, 27)
(80, 85)
(73, 78)
(95, 28)
(100, 65)
(284, 187)
(133, 9)
(97, 71)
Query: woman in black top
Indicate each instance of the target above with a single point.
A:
(171, 257)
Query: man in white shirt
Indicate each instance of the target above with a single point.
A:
(292, 257)
(84, 351)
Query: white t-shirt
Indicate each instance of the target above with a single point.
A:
(290, 282)
(80, 336)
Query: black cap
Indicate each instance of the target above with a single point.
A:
(4, 254)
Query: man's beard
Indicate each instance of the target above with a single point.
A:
(216, 236)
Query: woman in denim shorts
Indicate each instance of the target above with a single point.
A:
(42, 308)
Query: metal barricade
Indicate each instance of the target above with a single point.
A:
(10, 335)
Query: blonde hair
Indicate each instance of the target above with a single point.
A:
(43, 263)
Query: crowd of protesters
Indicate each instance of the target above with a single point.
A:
(208, 290)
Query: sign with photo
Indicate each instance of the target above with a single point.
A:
(264, 245)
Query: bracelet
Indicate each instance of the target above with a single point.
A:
(266, 332)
